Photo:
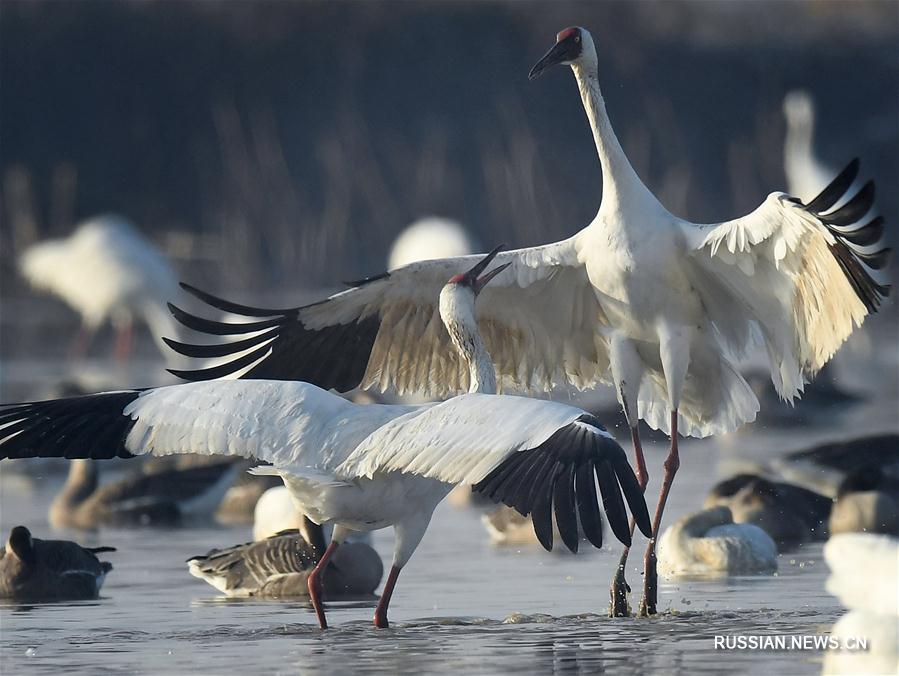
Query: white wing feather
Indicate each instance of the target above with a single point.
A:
(460, 440)
(536, 341)
(774, 268)
(288, 424)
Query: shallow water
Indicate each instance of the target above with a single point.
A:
(460, 604)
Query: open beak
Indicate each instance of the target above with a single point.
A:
(560, 53)
(479, 282)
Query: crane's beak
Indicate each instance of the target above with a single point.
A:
(479, 282)
(561, 52)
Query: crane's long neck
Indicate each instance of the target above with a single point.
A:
(458, 315)
(482, 374)
(620, 183)
(798, 150)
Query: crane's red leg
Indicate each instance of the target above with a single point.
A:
(314, 585)
(650, 576)
(620, 588)
(124, 339)
(381, 610)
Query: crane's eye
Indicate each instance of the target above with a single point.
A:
(577, 38)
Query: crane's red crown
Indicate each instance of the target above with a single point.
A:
(567, 33)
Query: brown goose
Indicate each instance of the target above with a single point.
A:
(279, 566)
(161, 498)
(50, 570)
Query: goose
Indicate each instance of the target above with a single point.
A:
(162, 498)
(106, 271)
(867, 502)
(50, 570)
(507, 527)
(368, 467)
(279, 566)
(863, 577)
(652, 304)
(789, 514)
(710, 543)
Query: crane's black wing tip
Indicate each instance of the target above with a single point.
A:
(834, 190)
(558, 476)
(87, 426)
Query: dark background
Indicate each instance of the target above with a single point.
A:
(285, 144)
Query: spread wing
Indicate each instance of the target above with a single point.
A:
(804, 274)
(538, 319)
(288, 424)
(532, 455)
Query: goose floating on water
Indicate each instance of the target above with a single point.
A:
(279, 567)
(867, 502)
(50, 570)
(710, 543)
(650, 303)
(367, 467)
(790, 514)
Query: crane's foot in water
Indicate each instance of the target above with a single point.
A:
(618, 592)
(650, 584)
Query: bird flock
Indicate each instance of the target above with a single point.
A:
(659, 308)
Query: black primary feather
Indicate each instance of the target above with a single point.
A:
(835, 189)
(332, 357)
(89, 426)
(558, 477)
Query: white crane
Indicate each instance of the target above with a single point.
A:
(806, 174)
(106, 271)
(429, 238)
(366, 467)
(657, 306)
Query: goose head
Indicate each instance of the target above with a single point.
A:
(21, 545)
(574, 47)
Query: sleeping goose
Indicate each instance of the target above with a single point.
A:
(710, 543)
(50, 570)
(279, 567)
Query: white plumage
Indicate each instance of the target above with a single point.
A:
(674, 302)
(863, 576)
(659, 307)
(806, 173)
(365, 467)
(275, 511)
(429, 238)
(107, 271)
(710, 543)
